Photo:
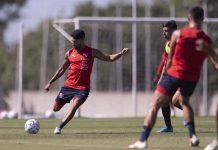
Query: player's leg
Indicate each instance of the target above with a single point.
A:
(166, 111)
(58, 105)
(189, 118)
(186, 90)
(162, 96)
(77, 102)
(158, 101)
(69, 114)
(79, 98)
(61, 99)
(175, 100)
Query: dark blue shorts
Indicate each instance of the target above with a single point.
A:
(169, 85)
(66, 94)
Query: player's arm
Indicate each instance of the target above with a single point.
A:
(160, 68)
(174, 39)
(106, 57)
(214, 62)
(201, 45)
(61, 70)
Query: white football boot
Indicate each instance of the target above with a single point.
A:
(138, 145)
(194, 141)
(57, 130)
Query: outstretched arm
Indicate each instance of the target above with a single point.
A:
(105, 57)
(58, 73)
(201, 45)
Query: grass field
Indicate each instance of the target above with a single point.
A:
(100, 134)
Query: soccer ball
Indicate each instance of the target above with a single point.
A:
(32, 126)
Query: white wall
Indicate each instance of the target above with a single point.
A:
(102, 105)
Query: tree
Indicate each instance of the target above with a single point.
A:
(9, 10)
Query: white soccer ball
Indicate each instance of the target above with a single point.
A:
(32, 126)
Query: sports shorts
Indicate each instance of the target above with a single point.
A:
(169, 85)
(66, 94)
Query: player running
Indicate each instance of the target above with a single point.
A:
(79, 60)
(168, 29)
(182, 71)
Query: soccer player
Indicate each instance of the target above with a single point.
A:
(182, 71)
(79, 60)
(168, 28)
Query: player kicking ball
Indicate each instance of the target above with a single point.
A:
(78, 61)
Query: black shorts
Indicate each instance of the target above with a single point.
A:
(66, 94)
(169, 85)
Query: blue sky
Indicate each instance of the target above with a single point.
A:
(36, 10)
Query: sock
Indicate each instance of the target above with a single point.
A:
(166, 115)
(61, 125)
(191, 128)
(145, 133)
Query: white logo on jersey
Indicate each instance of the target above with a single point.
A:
(61, 95)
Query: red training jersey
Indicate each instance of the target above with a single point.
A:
(162, 63)
(80, 69)
(187, 61)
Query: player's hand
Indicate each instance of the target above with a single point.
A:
(47, 86)
(124, 51)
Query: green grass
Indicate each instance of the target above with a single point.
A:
(101, 134)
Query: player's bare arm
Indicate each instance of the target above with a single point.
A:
(105, 57)
(174, 39)
(214, 62)
(207, 48)
(61, 70)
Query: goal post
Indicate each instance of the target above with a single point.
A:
(77, 21)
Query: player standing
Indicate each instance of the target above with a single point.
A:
(182, 73)
(79, 60)
(168, 28)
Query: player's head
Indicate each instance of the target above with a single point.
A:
(78, 38)
(196, 14)
(168, 29)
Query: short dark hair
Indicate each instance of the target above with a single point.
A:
(78, 34)
(170, 24)
(197, 13)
